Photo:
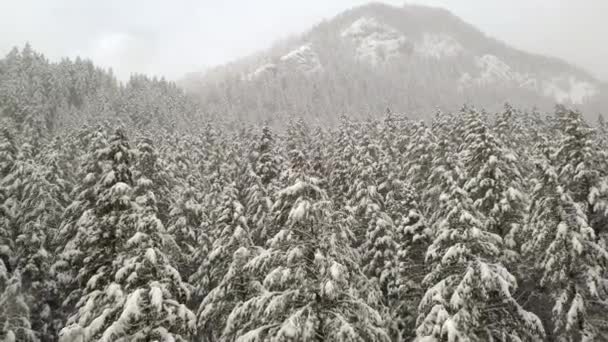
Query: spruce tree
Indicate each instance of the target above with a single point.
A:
(469, 292)
(565, 253)
(134, 293)
(313, 288)
(494, 181)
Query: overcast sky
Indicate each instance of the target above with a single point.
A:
(174, 37)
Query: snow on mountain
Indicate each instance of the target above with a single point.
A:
(304, 59)
(569, 89)
(376, 42)
(420, 58)
(494, 71)
(266, 69)
(438, 46)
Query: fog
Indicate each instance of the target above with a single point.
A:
(172, 38)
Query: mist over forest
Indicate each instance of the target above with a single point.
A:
(392, 174)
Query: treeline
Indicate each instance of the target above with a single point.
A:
(43, 97)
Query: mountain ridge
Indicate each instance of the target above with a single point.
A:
(351, 64)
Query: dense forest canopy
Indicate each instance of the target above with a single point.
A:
(128, 213)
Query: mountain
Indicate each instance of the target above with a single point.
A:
(411, 59)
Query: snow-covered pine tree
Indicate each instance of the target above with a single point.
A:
(231, 232)
(151, 166)
(601, 139)
(35, 200)
(419, 156)
(412, 237)
(450, 127)
(494, 182)
(138, 295)
(227, 282)
(34, 217)
(15, 315)
(363, 199)
(259, 179)
(341, 154)
(99, 230)
(265, 162)
(469, 293)
(318, 152)
(185, 218)
(563, 248)
(313, 288)
(257, 203)
(8, 148)
(579, 166)
(236, 286)
(85, 196)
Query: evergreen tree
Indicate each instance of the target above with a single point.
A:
(136, 295)
(15, 319)
(570, 263)
(312, 288)
(185, 218)
(99, 231)
(494, 181)
(579, 167)
(469, 293)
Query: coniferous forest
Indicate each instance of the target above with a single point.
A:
(127, 213)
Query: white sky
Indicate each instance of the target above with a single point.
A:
(174, 37)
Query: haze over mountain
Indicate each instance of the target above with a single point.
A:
(412, 59)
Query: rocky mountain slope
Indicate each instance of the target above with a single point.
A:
(410, 59)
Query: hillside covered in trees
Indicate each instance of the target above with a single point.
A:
(414, 59)
(128, 214)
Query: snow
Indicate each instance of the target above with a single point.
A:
(151, 255)
(132, 308)
(438, 46)
(130, 311)
(576, 308)
(562, 229)
(562, 88)
(304, 59)
(144, 182)
(295, 254)
(569, 89)
(576, 244)
(96, 325)
(90, 177)
(288, 330)
(493, 70)
(120, 189)
(114, 291)
(109, 178)
(329, 289)
(266, 69)
(450, 329)
(336, 271)
(299, 187)
(253, 335)
(71, 333)
(375, 42)
(136, 239)
(299, 211)
(156, 296)
(92, 282)
(453, 253)
(10, 337)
